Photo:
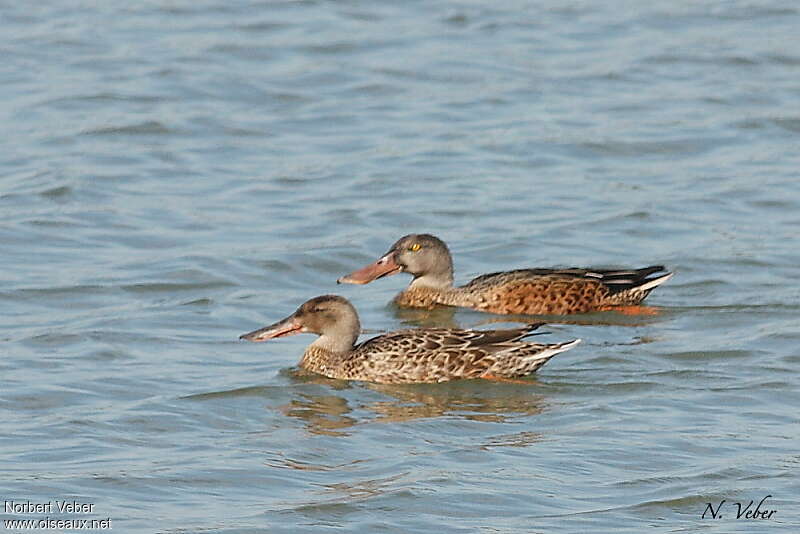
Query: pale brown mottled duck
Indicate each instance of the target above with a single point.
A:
(405, 356)
(523, 291)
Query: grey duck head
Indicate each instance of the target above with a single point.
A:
(424, 256)
(331, 317)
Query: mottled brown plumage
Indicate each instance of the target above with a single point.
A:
(404, 356)
(523, 291)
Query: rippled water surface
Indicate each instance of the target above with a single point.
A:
(177, 173)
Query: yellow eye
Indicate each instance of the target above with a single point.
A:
(415, 247)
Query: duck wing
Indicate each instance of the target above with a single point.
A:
(617, 280)
(432, 339)
(437, 354)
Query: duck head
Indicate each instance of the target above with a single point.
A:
(423, 256)
(331, 317)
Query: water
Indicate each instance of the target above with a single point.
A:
(177, 173)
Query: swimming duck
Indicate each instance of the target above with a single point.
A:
(405, 356)
(522, 291)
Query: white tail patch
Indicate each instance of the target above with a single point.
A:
(553, 350)
(655, 282)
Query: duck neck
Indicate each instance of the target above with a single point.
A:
(442, 280)
(333, 344)
(340, 337)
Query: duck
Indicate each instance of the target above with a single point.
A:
(522, 291)
(423, 355)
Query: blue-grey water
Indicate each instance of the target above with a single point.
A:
(174, 174)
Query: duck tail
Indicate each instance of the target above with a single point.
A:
(652, 283)
(535, 361)
(631, 287)
(556, 348)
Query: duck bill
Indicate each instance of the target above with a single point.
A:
(285, 327)
(386, 266)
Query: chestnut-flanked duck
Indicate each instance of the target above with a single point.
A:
(407, 356)
(522, 291)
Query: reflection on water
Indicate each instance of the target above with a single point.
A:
(649, 315)
(517, 439)
(439, 317)
(362, 489)
(322, 414)
(326, 406)
(284, 461)
(445, 317)
(469, 399)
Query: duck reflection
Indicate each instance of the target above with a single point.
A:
(322, 414)
(466, 399)
(439, 317)
(445, 317)
(332, 414)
